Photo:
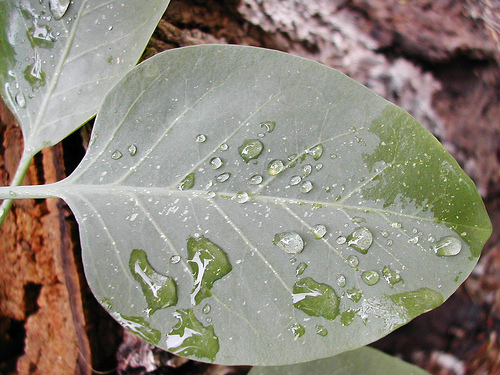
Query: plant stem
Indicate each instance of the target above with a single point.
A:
(22, 170)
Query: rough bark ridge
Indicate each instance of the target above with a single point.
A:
(437, 59)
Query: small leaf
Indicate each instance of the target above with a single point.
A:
(385, 202)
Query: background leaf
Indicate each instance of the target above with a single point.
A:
(59, 58)
(347, 220)
(361, 361)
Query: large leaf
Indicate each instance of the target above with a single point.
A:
(244, 206)
(59, 58)
(363, 361)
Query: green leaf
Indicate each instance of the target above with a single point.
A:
(362, 361)
(334, 233)
(59, 58)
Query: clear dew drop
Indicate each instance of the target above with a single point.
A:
(447, 246)
(306, 170)
(300, 269)
(224, 147)
(256, 179)
(306, 187)
(206, 309)
(352, 261)
(58, 8)
(250, 149)
(316, 151)
(413, 240)
(216, 163)
(298, 330)
(318, 231)
(174, 259)
(370, 278)
(321, 330)
(396, 225)
(187, 183)
(275, 167)
(116, 155)
(200, 138)
(318, 167)
(242, 197)
(341, 281)
(361, 240)
(431, 238)
(341, 240)
(268, 126)
(333, 156)
(223, 177)
(20, 100)
(290, 242)
(132, 150)
(295, 180)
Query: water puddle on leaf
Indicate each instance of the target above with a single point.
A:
(315, 299)
(138, 326)
(160, 291)
(290, 242)
(354, 294)
(347, 317)
(208, 263)
(417, 302)
(189, 337)
(250, 149)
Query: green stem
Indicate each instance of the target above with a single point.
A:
(21, 171)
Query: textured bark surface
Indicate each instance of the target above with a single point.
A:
(437, 59)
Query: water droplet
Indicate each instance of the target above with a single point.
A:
(174, 259)
(413, 240)
(206, 309)
(333, 156)
(391, 276)
(189, 337)
(316, 151)
(58, 8)
(347, 317)
(318, 231)
(250, 149)
(12, 193)
(187, 183)
(352, 261)
(370, 277)
(295, 180)
(315, 299)
(110, 28)
(300, 269)
(242, 197)
(291, 242)
(447, 246)
(139, 326)
(132, 150)
(216, 163)
(20, 100)
(116, 155)
(224, 147)
(293, 160)
(268, 125)
(200, 138)
(306, 170)
(306, 187)
(275, 167)
(298, 330)
(160, 291)
(211, 194)
(261, 135)
(321, 330)
(417, 302)
(223, 177)
(256, 179)
(208, 263)
(361, 239)
(354, 294)
(357, 220)
(318, 167)
(431, 238)
(341, 240)
(384, 233)
(341, 281)
(396, 225)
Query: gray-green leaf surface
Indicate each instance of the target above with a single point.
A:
(363, 361)
(59, 58)
(299, 214)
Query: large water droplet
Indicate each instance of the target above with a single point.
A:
(306, 170)
(160, 291)
(256, 179)
(361, 240)
(316, 151)
(291, 242)
(216, 163)
(306, 187)
(58, 8)
(315, 299)
(187, 183)
(298, 330)
(116, 155)
(208, 263)
(447, 246)
(268, 125)
(321, 330)
(275, 167)
(347, 317)
(352, 261)
(139, 326)
(20, 100)
(132, 150)
(341, 240)
(206, 309)
(318, 231)
(174, 259)
(295, 180)
(250, 149)
(242, 197)
(341, 281)
(354, 294)
(200, 138)
(370, 277)
(391, 276)
(300, 269)
(223, 177)
(189, 337)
